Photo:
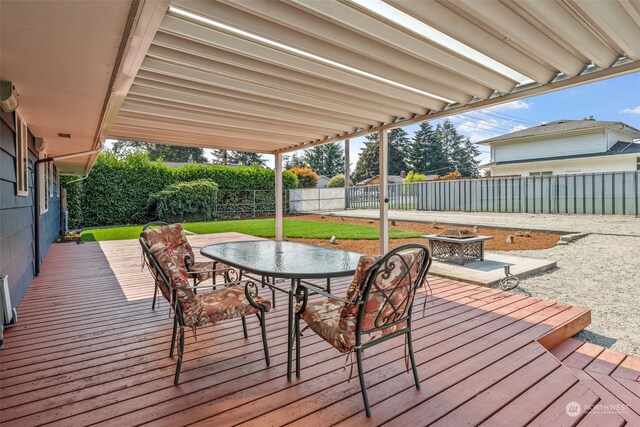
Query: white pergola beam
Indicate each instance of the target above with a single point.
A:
(148, 79)
(261, 52)
(242, 66)
(261, 89)
(266, 19)
(384, 32)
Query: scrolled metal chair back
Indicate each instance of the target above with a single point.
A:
(156, 271)
(389, 290)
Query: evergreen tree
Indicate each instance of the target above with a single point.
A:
(220, 157)
(246, 159)
(295, 161)
(168, 153)
(368, 164)
(427, 154)
(327, 160)
(464, 157)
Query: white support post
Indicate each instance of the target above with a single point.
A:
(383, 188)
(278, 162)
(347, 178)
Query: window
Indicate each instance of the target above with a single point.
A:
(44, 186)
(22, 157)
(545, 173)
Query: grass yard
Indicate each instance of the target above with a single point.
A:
(293, 228)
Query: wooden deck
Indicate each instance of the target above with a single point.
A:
(89, 349)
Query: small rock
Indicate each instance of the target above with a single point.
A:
(475, 228)
(333, 240)
(511, 239)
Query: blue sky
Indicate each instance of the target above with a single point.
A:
(616, 99)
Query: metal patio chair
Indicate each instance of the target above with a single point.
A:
(236, 299)
(173, 236)
(377, 307)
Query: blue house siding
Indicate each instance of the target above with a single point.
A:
(17, 217)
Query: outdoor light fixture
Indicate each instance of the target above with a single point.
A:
(8, 96)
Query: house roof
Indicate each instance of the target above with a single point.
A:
(275, 77)
(559, 126)
(392, 179)
(618, 148)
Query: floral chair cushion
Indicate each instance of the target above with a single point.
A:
(203, 309)
(388, 298)
(174, 238)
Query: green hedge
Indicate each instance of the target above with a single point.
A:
(185, 201)
(118, 189)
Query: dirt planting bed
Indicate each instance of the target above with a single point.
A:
(534, 241)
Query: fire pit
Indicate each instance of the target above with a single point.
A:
(457, 245)
(457, 234)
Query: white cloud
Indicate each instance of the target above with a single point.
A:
(634, 110)
(513, 105)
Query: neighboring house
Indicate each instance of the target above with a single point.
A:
(566, 147)
(393, 179)
(322, 181)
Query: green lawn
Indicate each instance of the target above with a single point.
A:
(299, 228)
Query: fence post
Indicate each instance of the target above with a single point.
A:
(254, 203)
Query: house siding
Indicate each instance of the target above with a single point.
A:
(613, 137)
(568, 145)
(17, 217)
(619, 163)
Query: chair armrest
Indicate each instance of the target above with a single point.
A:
(321, 291)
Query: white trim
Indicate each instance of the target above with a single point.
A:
(22, 156)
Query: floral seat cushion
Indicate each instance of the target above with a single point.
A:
(203, 309)
(388, 297)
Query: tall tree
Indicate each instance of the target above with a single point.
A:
(246, 159)
(168, 153)
(464, 156)
(368, 164)
(327, 160)
(228, 157)
(295, 161)
(427, 154)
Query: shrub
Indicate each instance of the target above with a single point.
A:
(338, 181)
(306, 177)
(450, 175)
(414, 177)
(117, 189)
(185, 201)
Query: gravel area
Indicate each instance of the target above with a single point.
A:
(599, 272)
(609, 224)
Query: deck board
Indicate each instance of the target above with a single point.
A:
(89, 349)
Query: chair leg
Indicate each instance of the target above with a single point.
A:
(413, 360)
(297, 332)
(264, 337)
(176, 380)
(173, 335)
(155, 293)
(244, 327)
(363, 386)
(328, 285)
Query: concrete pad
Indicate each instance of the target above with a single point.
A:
(491, 270)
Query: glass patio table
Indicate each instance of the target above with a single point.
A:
(285, 260)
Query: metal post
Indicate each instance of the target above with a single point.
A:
(278, 164)
(383, 199)
(346, 173)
